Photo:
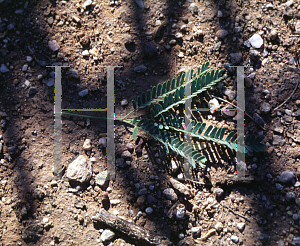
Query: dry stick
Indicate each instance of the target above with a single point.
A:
(138, 233)
(235, 212)
(197, 182)
(288, 97)
(239, 109)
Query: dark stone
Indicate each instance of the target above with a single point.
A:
(151, 199)
(21, 210)
(288, 14)
(150, 50)
(229, 68)
(254, 55)
(3, 27)
(31, 233)
(32, 91)
(79, 204)
(258, 119)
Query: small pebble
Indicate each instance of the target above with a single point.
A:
(234, 239)
(289, 3)
(28, 58)
(83, 92)
(25, 67)
(27, 83)
(149, 210)
(53, 45)
(3, 69)
(256, 41)
(221, 34)
(85, 53)
(124, 102)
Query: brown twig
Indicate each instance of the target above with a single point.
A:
(239, 109)
(197, 182)
(235, 212)
(288, 97)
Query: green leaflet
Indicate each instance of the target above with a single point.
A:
(163, 124)
(158, 90)
(154, 92)
(143, 98)
(133, 104)
(148, 95)
(134, 134)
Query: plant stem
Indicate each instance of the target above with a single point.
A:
(128, 114)
(93, 117)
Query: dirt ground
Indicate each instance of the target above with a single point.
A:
(164, 36)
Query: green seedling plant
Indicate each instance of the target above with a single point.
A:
(167, 127)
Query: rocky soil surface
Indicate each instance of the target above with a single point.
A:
(149, 40)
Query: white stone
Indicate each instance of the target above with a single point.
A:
(269, 6)
(124, 102)
(297, 27)
(234, 239)
(87, 144)
(107, 235)
(220, 14)
(180, 55)
(116, 212)
(210, 200)
(174, 166)
(213, 105)
(256, 41)
(93, 52)
(27, 83)
(79, 170)
(53, 45)
(289, 3)
(45, 220)
(25, 67)
(85, 53)
(241, 226)
(219, 226)
(101, 178)
(28, 58)
(180, 212)
(149, 210)
(157, 23)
